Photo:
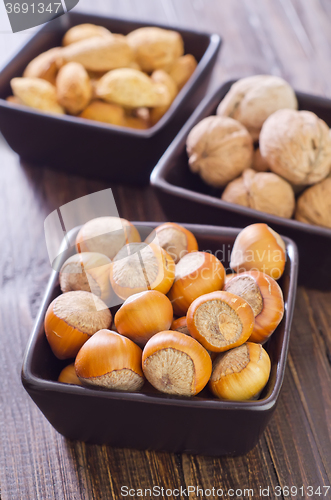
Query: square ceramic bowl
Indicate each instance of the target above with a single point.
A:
(149, 419)
(184, 196)
(86, 147)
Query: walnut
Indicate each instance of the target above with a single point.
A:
(297, 146)
(155, 48)
(259, 163)
(219, 149)
(251, 100)
(263, 191)
(314, 205)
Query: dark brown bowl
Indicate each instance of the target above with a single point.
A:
(149, 419)
(86, 147)
(184, 196)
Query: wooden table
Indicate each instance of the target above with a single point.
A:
(291, 38)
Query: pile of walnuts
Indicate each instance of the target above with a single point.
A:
(129, 80)
(264, 151)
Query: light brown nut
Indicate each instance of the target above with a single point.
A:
(99, 53)
(13, 99)
(74, 89)
(136, 122)
(160, 76)
(314, 205)
(104, 112)
(44, 66)
(263, 191)
(297, 146)
(251, 100)
(82, 32)
(219, 149)
(182, 69)
(132, 88)
(36, 93)
(155, 48)
(259, 163)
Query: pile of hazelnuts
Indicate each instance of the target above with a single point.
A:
(183, 322)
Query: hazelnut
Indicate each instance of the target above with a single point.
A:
(110, 361)
(71, 319)
(143, 315)
(68, 375)
(297, 146)
(106, 235)
(197, 273)
(240, 374)
(175, 363)
(88, 271)
(220, 320)
(251, 100)
(174, 239)
(265, 297)
(259, 248)
(155, 48)
(180, 325)
(219, 149)
(314, 205)
(263, 191)
(138, 267)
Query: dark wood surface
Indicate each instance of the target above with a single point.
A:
(291, 38)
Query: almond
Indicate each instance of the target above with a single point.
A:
(36, 93)
(74, 89)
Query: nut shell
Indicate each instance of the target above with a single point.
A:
(259, 248)
(220, 320)
(253, 99)
(265, 297)
(111, 361)
(182, 69)
(314, 205)
(68, 375)
(71, 319)
(297, 146)
(143, 315)
(155, 48)
(106, 235)
(219, 149)
(197, 273)
(36, 93)
(132, 88)
(174, 239)
(175, 363)
(263, 191)
(74, 89)
(240, 374)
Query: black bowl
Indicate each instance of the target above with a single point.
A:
(149, 419)
(89, 148)
(184, 196)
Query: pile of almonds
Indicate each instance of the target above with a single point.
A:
(183, 322)
(129, 81)
(264, 152)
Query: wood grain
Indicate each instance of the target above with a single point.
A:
(291, 38)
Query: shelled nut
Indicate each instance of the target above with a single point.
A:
(175, 363)
(220, 320)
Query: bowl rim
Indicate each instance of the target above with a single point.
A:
(164, 166)
(214, 45)
(33, 383)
